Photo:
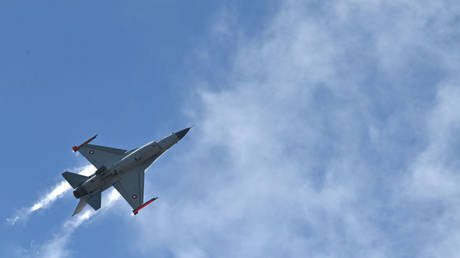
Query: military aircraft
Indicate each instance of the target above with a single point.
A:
(119, 168)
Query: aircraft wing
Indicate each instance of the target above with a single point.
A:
(99, 155)
(131, 187)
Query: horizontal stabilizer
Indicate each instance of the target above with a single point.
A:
(94, 201)
(74, 179)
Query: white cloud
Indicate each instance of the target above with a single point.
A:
(435, 173)
(303, 151)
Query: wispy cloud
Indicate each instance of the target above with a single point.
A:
(434, 175)
(307, 144)
(49, 198)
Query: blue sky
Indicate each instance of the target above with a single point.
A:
(321, 128)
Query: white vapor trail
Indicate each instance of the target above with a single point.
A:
(55, 248)
(56, 192)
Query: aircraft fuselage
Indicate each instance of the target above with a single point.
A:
(104, 177)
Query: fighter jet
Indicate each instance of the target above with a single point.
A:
(119, 168)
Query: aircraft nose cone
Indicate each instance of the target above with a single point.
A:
(182, 133)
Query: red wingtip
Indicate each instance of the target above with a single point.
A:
(145, 204)
(75, 148)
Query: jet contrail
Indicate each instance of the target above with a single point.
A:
(56, 192)
(73, 223)
(56, 247)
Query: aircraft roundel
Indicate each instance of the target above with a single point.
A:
(134, 196)
(91, 152)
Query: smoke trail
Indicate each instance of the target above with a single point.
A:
(56, 192)
(56, 248)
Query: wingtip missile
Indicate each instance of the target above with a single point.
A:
(143, 205)
(75, 148)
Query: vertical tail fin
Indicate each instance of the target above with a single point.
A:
(79, 207)
(74, 179)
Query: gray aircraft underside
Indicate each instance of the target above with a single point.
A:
(119, 168)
